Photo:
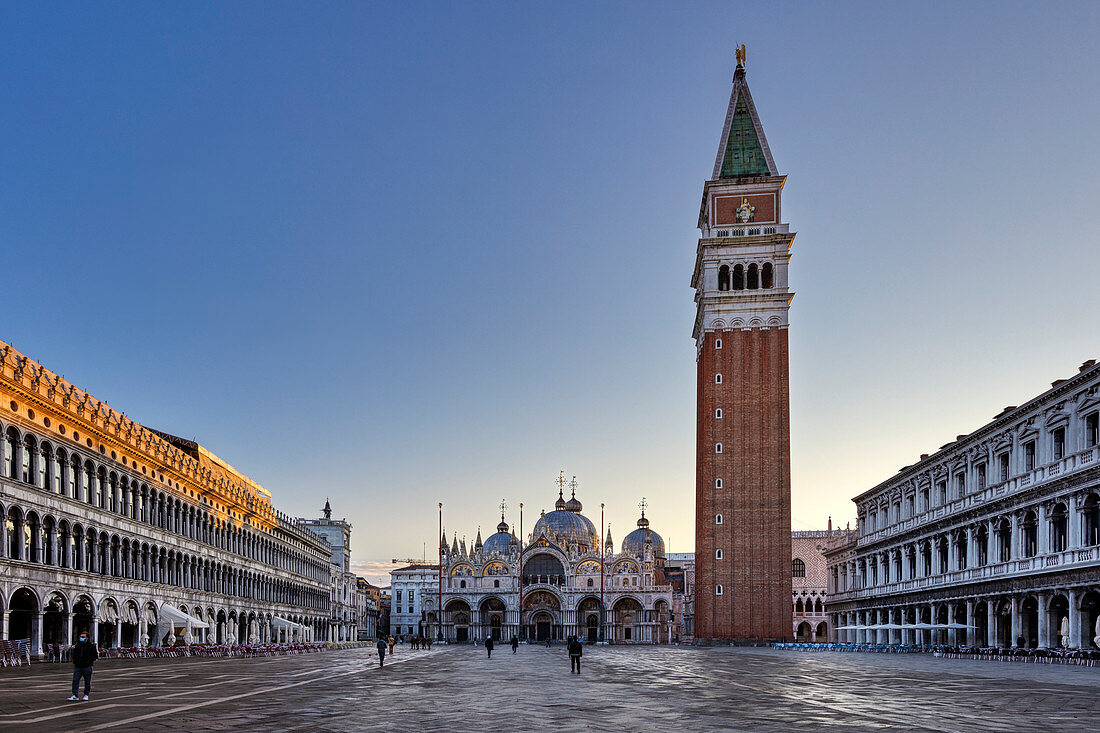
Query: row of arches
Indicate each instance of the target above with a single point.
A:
(1021, 535)
(35, 461)
(1058, 618)
(741, 277)
(67, 543)
(544, 616)
(49, 616)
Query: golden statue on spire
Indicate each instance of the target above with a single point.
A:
(741, 55)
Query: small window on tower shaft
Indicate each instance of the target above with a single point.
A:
(717, 554)
(718, 413)
(717, 378)
(718, 485)
(717, 343)
(718, 590)
(717, 518)
(717, 447)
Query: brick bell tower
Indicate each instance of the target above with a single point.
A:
(743, 474)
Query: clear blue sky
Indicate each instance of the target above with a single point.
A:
(396, 254)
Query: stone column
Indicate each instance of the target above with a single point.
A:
(971, 620)
(1015, 541)
(6, 616)
(971, 547)
(93, 632)
(1015, 633)
(952, 552)
(1074, 620)
(118, 632)
(991, 623)
(1042, 531)
(1044, 621)
(1073, 524)
(68, 626)
(37, 627)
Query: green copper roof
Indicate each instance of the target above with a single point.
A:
(744, 156)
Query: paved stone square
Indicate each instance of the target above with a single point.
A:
(621, 688)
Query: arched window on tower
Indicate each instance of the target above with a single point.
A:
(738, 277)
(724, 277)
(766, 275)
(754, 282)
(798, 568)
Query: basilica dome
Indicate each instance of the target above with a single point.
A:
(500, 542)
(566, 525)
(634, 543)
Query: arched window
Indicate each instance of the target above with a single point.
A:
(798, 607)
(718, 413)
(11, 449)
(1058, 523)
(1091, 510)
(718, 590)
(798, 568)
(738, 277)
(724, 277)
(717, 343)
(1031, 534)
(766, 279)
(717, 447)
(30, 460)
(718, 554)
(717, 378)
(717, 483)
(754, 282)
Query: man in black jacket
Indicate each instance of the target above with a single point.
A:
(576, 649)
(84, 655)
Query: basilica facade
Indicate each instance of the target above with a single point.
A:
(561, 582)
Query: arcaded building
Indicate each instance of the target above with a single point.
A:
(993, 540)
(743, 475)
(137, 536)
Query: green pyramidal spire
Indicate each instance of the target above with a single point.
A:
(744, 156)
(744, 148)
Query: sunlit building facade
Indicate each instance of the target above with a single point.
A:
(137, 536)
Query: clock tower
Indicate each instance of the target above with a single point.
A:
(743, 475)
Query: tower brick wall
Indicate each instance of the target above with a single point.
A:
(754, 500)
(741, 336)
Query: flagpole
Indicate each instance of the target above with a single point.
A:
(602, 613)
(522, 629)
(439, 607)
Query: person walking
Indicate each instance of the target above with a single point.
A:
(429, 643)
(391, 640)
(381, 651)
(489, 646)
(576, 649)
(515, 643)
(84, 655)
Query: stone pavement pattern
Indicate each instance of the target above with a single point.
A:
(621, 688)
